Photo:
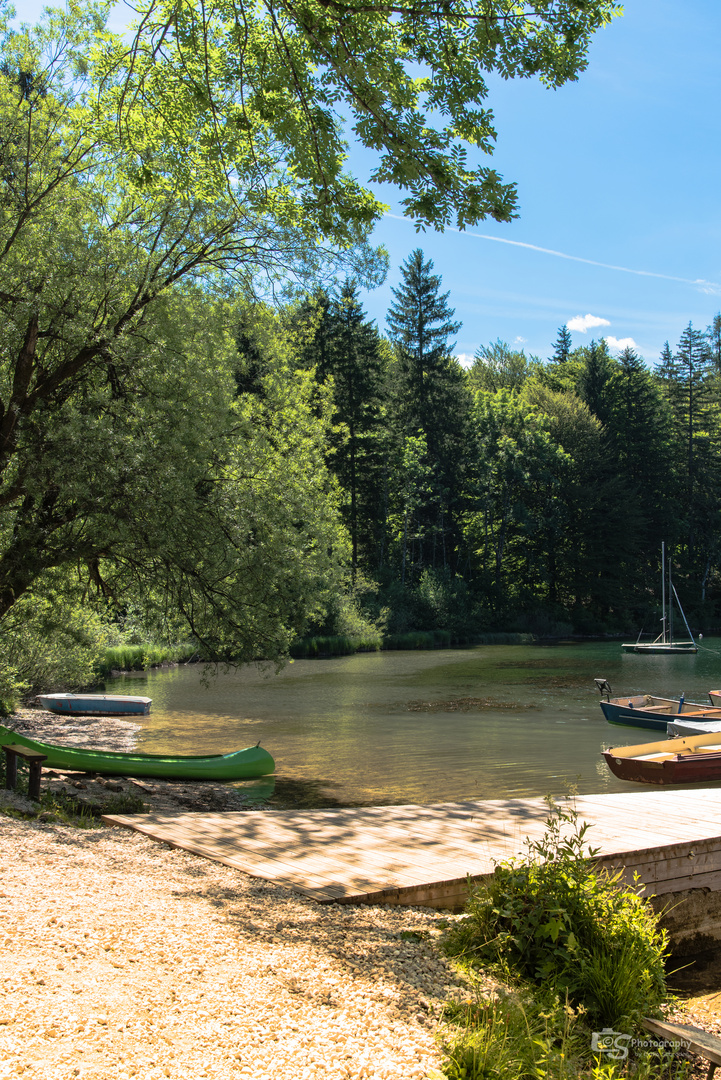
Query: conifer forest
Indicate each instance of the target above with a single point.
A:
(522, 492)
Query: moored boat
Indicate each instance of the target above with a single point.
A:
(689, 726)
(665, 643)
(692, 760)
(654, 713)
(237, 765)
(96, 704)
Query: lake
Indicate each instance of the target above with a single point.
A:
(394, 727)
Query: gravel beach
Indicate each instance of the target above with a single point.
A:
(124, 957)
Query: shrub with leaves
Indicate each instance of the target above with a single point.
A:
(51, 639)
(558, 921)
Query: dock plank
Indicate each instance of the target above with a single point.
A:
(427, 852)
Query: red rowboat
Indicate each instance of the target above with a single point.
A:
(695, 759)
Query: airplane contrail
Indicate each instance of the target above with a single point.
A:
(705, 286)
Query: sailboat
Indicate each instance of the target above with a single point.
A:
(664, 643)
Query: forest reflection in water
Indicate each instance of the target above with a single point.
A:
(404, 727)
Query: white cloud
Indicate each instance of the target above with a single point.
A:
(621, 343)
(519, 340)
(709, 288)
(584, 323)
(464, 359)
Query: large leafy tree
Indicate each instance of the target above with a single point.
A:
(514, 487)
(266, 92)
(499, 367)
(124, 450)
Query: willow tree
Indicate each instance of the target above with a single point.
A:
(126, 452)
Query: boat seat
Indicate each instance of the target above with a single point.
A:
(688, 1037)
(35, 760)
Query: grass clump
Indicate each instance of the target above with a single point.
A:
(140, 657)
(527, 1036)
(323, 645)
(558, 921)
(510, 1038)
(418, 639)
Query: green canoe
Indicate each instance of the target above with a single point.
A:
(240, 765)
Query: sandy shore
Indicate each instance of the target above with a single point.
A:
(123, 957)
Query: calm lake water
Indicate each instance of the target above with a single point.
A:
(394, 727)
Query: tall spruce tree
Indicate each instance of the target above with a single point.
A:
(430, 397)
(420, 323)
(593, 383)
(562, 346)
(638, 438)
(688, 381)
(713, 333)
(346, 348)
(665, 369)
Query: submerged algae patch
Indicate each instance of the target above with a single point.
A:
(466, 704)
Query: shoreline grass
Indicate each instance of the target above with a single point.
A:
(323, 646)
(142, 657)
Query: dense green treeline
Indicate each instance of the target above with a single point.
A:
(519, 493)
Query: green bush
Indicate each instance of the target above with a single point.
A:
(556, 920)
(48, 641)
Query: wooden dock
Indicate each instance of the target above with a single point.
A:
(424, 855)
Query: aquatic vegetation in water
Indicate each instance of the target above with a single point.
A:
(466, 704)
(557, 682)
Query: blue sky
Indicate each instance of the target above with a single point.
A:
(621, 168)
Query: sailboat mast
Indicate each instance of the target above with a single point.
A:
(663, 589)
(670, 602)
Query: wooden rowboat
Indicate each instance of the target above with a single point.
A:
(238, 765)
(96, 704)
(692, 760)
(655, 713)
